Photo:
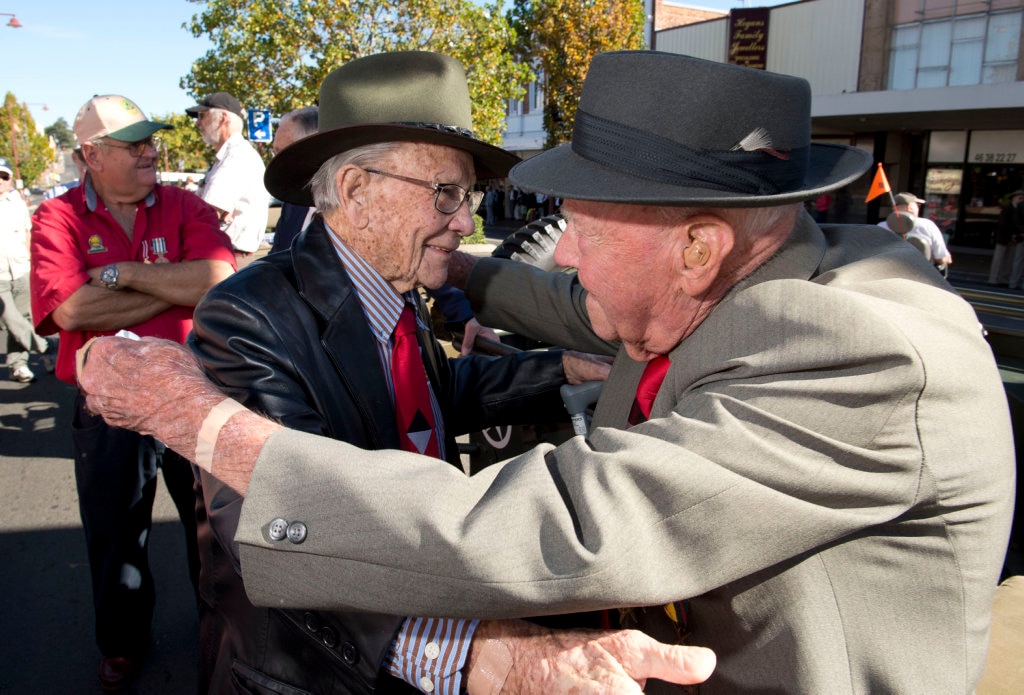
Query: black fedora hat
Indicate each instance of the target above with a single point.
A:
(413, 96)
(668, 129)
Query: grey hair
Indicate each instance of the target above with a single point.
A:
(235, 122)
(751, 220)
(756, 220)
(305, 120)
(323, 186)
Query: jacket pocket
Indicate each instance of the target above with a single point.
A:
(249, 681)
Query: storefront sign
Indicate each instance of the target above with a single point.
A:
(943, 182)
(996, 147)
(748, 37)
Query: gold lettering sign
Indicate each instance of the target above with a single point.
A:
(748, 37)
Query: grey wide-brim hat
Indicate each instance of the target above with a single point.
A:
(668, 129)
(411, 96)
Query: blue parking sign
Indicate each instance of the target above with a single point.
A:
(259, 125)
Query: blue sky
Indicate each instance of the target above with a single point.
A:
(69, 50)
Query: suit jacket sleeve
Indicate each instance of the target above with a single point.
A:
(546, 306)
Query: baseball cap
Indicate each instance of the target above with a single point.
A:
(115, 117)
(217, 100)
(907, 199)
(5, 167)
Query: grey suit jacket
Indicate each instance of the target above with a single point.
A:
(827, 474)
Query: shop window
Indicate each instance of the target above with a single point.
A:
(538, 92)
(961, 50)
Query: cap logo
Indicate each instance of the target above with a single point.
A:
(130, 107)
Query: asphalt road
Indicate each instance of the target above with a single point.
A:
(46, 623)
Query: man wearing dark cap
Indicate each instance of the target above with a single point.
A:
(121, 252)
(234, 184)
(802, 457)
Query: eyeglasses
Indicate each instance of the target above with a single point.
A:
(135, 149)
(4, 176)
(448, 197)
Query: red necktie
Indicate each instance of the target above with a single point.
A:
(647, 390)
(413, 414)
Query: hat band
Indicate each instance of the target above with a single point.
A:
(450, 129)
(652, 157)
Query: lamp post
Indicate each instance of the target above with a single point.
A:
(14, 23)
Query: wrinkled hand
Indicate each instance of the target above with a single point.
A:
(150, 386)
(582, 366)
(603, 662)
(471, 331)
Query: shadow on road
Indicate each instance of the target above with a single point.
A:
(46, 624)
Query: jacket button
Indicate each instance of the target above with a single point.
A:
(329, 637)
(277, 530)
(350, 654)
(296, 532)
(312, 622)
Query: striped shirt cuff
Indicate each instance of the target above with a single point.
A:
(429, 653)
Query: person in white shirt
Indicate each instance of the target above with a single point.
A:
(923, 229)
(234, 184)
(15, 225)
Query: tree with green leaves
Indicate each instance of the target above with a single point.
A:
(21, 144)
(274, 54)
(61, 133)
(561, 37)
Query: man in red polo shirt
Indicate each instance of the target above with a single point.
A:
(122, 252)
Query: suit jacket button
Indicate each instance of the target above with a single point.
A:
(329, 637)
(277, 530)
(312, 622)
(350, 654)
(296, 532)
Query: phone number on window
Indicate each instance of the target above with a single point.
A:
(995, 157)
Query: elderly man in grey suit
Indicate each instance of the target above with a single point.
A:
(802, 457)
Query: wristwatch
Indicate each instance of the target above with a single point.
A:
(108, 276)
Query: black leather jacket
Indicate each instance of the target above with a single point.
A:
(287, 337)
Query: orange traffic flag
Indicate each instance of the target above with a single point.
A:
(879, 185)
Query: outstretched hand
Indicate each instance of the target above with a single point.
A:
(601, 662)
(584, 366)
(150, 386)
(474, 330)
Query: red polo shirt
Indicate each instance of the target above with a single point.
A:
(75, 232)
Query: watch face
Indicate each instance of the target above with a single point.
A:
(109, 275)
